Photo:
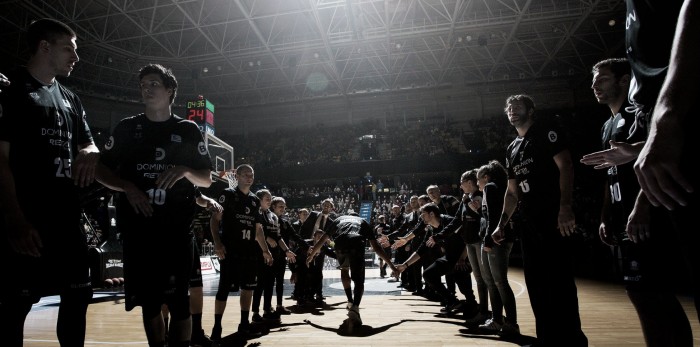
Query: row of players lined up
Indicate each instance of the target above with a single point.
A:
(156, 159)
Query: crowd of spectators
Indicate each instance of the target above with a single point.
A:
(323, 144)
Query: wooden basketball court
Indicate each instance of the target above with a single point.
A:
(391, 317)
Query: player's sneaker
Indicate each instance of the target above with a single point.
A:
(215, 333)
(509, 329)
(491, 325)
(477, 319)
(283, 310)
(270, 316)
(354, 315)
(247, 332)
(200, 339)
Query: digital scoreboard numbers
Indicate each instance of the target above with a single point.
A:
(201, 111)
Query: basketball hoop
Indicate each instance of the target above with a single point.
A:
(231, 178)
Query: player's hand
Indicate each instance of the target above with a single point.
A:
(291, 257)
(220, 250)
(214, 207)
(430, 242)
(498, 235)
(309, 259)
(23, 238)
(567, 221)
(400, 242)
(606, 236)
(169, 177)
(83, 168)
(638, 223)
(619, 153)
(138, 200)
(268, 258)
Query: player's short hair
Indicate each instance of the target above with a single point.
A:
(278, 200)
(469, 175)
(46, 29)
(618, 66)
(526, 99)
(244, 167)
(169, 80)
(262, 192)
(430, 208)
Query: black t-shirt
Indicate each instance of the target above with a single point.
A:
(622, 181)
(467, 222)
(651, 26)
(530, 161)
(139, 150)
(44, 125)
(349, 232)
(238, 223)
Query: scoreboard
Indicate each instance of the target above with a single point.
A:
(201, 111)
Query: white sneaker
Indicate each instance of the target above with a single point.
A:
(491, 325)
(509, 329)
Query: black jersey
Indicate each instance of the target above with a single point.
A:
(238, 223)
(467, 222)
(622, 179)
(451, 243)
(530, 161)
(349, 232)
(271, 229)
(649, 58)
(45, 125)
(448, 205)
(139, 150)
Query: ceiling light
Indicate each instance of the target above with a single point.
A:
(611, 22)
(205, 69)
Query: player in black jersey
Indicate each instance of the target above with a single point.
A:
(199, 338)
(155, 160)
(452, 260)
(290, 237)
(381, 229)
(493, 179)
(666, 165)
(279, 249)
(643, 272)
(663, 58)
(540, 180)
(46, 154)
(239, 242)
(350, 233)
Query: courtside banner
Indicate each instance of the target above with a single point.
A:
(207, 266)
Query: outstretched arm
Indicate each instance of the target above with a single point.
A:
(658, 167)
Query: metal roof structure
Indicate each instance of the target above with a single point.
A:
(260, 52)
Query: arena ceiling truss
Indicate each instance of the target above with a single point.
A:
(257, 52)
